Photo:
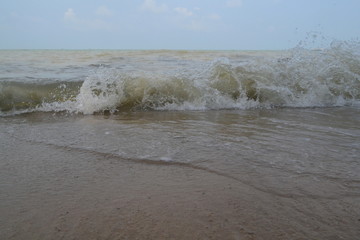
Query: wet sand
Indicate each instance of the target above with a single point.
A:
(52, 192)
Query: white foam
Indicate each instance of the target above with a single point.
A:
(296, 78)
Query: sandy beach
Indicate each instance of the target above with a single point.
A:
(180, 120)
(54, 192)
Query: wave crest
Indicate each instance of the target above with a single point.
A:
(295, 78)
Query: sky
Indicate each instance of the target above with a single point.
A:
(176, 24)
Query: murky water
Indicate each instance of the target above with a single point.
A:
(150, 144)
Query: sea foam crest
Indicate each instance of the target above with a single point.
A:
(295, 78)
(214, 87)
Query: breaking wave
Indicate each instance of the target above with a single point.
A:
(296, 78)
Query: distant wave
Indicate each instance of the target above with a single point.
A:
(299, 78)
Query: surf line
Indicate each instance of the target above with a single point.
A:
(175, 164)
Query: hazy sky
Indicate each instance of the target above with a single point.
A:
(174, 24)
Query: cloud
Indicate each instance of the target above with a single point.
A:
(196, 25)
(103, 11)
(234, 3)
(70, 15)
(183, 11)
(77, 23)
(196, 22)
(152, 6)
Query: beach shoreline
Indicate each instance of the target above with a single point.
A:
(54, 192)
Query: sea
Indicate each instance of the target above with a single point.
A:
(286, 123)
(294, 112)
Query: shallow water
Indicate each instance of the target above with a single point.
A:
(281, 126)
(281, 151)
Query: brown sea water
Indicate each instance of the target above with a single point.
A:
(180, 144)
